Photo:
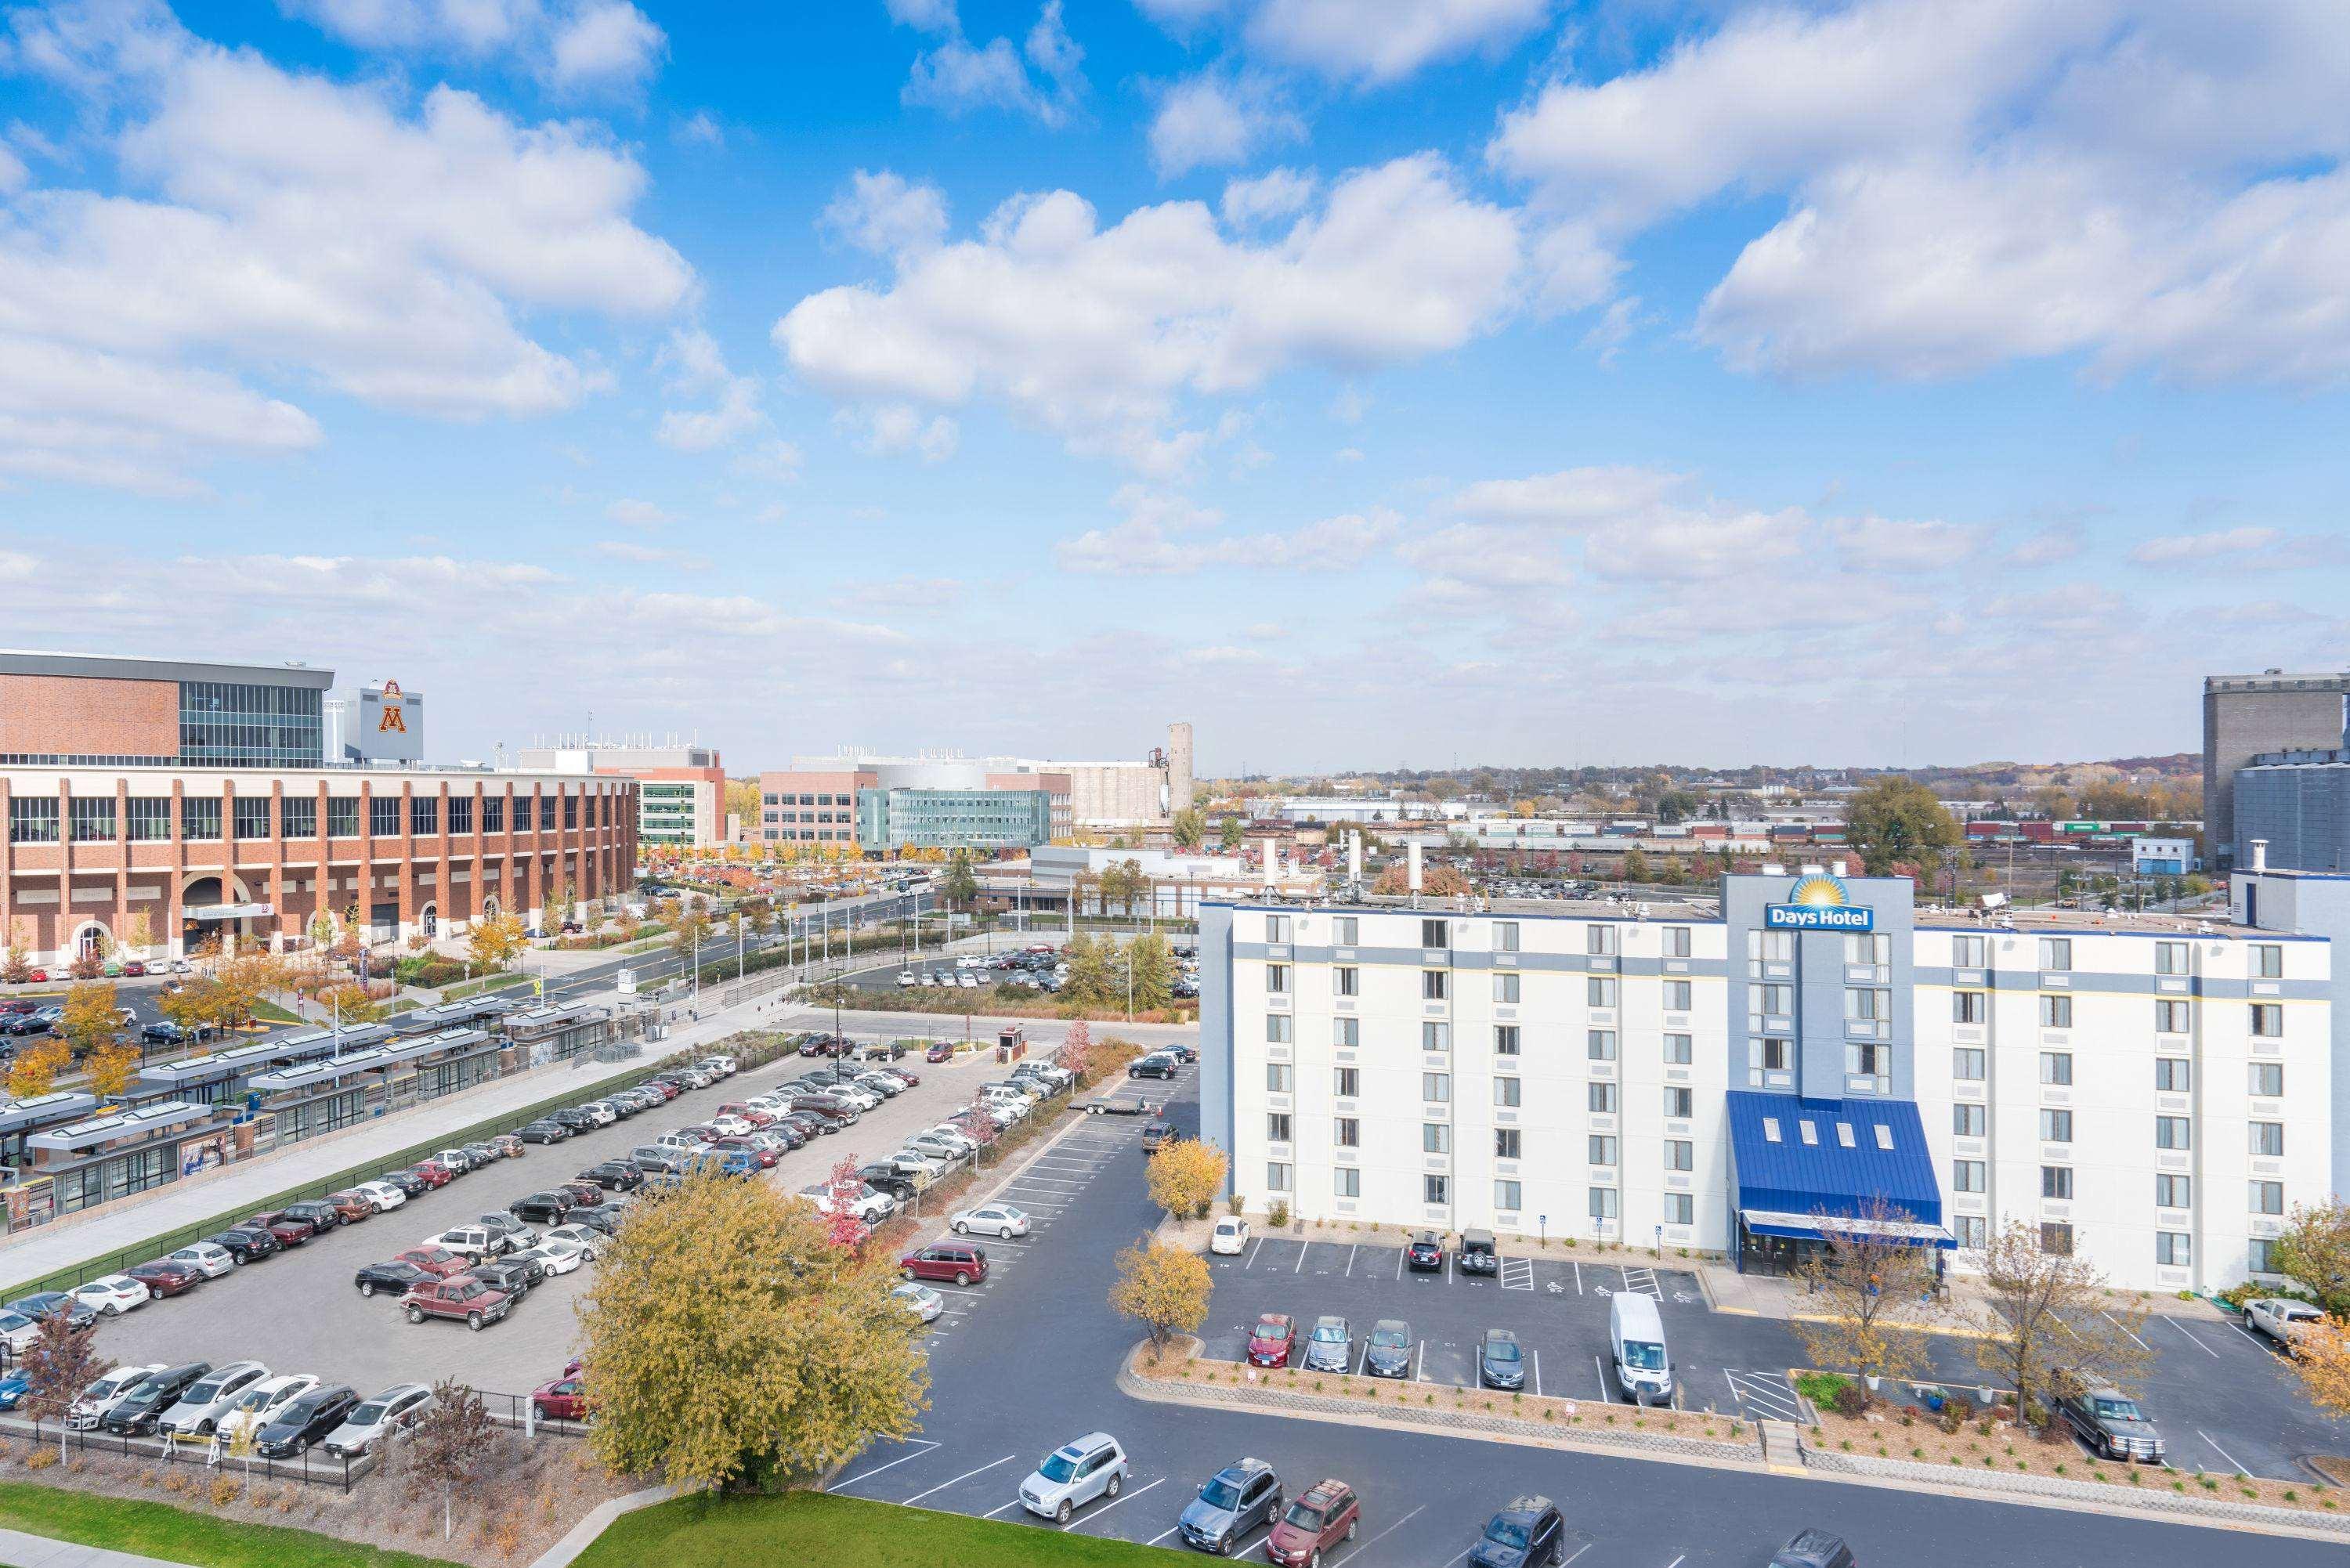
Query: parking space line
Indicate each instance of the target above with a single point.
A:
(2133, 1338)
(1420, 1354)
(992, 1512)
(2248, 1334)
(1350, 1258)
(2222, 1452)
(1600, 1372)
(1399, 1251)
(1537, 1374)
(1257, 1247)
(1113, 1502)
(1164, 1534)
(1302, 1248)
(1579, 1278)
(1382, 1535)
(926, 1447)
(1677, 1562)
(1578, 1551)
(2192, 1340)
(964, 1477)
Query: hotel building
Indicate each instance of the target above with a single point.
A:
(2154, 1093)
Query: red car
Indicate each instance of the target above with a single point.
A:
(563, 1399)
(914, 1079)
(352, 1206)
(752, 1113)
(959, 1261)
(289, 1231)
(438, 1262)
(462, 1297)
(1272, 1340)
(167, 1277)
(941, 1052)
(585, 1194)
(1321, 1516)
(433, 1173)
(134, 969)
(41, 977)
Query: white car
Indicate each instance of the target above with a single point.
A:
(968, 980)
(605, 1112)
(211, 1398)
(104, 1395)
(590, 1243)
(18, 1331)
(258, 1406)
(395, 1409)
(380, 1195)
(998, 1219)
(214, 1261)
(906, 978)
(930, 1165)
(114, 1294)
(1231, 1234)
(721, 1065)
(555, 1257)
(920, 1300)
(732, 1124)
(954, 1137)
(868, 1205)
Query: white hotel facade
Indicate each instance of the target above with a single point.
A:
(2156, 1093)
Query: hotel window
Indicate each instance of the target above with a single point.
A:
(2055, 1181)
(2057, 1239)
(1346, 1033)
(546, 813)
(2173, 1191)
(1681, 1103)
(1435, 1188)
(1603, 1203)
(1505, 1092)
(570, 811)
(297, 816)
(1967, 1065)
(1347, 1182)
(460, 813)
(2268, 1017)
(2268, 961)
(1435, 933)
(1868, 1058)
(2056, 1127)
(1872, 950)
(1603, 1150)
(151, 818)
(1277, 1177)
(1436, 1089)
(1966, 1007)
(1599, 990)
(383, 816)
(1276, 979)
(1346, 1132)
(1770, 1000)
(2056, 954)
(1676, 1051)
(1435, 1036)
(2056, 1066)
(1680, 1154)
(1505, 1040)
(2170, 1132)
(1772, 947)
(1967, 1175)
(1277, 1077)
(2268, 1080)
(1348, 981)
(1505, 936)
(1346, 1082)
(1599, 941)
(200, 816)
(1867, 1004)
(35, 821)
(1506, 1143)
(1432, 986)
(1971, 1230)
(92, 820)
(1279, 1028)
(1677, 996)
(2267, 1197)
(1766, 1055)
(2173, 1074)
(1966, 952)
(1600, 1098)
(1505, 987)
(2056, 1013)
(253, 816)
(424, 814)
(1968, 1121)
(2170, 958)
(1599, 1045)
(494, 814)
(1342, 930)
(1677, 942)
(2173, 1248)
(342, 817)
(1276, 1127)
(2261, 1257)
(2172, 1017)
(1276, 928)
(2268, 1139)
(1680, 1209)
(1505, 1196)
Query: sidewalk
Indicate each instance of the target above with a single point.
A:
(25, 1551)
(1762, 1295)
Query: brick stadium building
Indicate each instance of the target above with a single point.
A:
(161, 803)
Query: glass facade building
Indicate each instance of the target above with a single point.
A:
(227, 723)
(666, 813)
(889, 819)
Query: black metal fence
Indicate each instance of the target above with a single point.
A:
(315, 1467)
(515, 1410)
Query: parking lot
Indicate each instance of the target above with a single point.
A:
(298, 1311)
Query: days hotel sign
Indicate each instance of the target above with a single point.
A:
(1819, 903)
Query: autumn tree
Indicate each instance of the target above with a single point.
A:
(689, 935)
(1437, 881)
(1095, 980)
(1154, 970)
(1869, 1284)
(2042, 1310)
(111, 1068)
(1164, 1288)
(728, 1340)
(16, 968)
(444, 1452)
(1077, 1052)
(60, 1361)
(1191, 828)
(958, 885)
(92, 1017)
(322, 929)
(138, 933)
(843, 1227)
(979, 1121)
(34, 1070)
(494, 940)
(1231, 834)
(2315, 1250)
(1897, 821)
(1184, 1177)
(1124, 881)
(350, 1002)
(2321, 1359)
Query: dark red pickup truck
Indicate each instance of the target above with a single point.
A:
(461, 1297)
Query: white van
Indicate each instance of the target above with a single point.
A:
(1636, 1332)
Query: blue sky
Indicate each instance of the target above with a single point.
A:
(1369, 381)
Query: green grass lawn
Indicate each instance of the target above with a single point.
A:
(176, 1535)
(744, 1531)
(271, 1013)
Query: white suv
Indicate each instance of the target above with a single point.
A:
(1074, 1475)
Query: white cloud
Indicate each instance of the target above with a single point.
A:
(959, 76)
(893, 429)
(1164, 535)
(700, 130)
(698, 368)
(886, 215)
(607, 44)
(571, 44)
(2170, 548)
(14, 175)
(924, 16)
(1889, 545)
(651, 555)
(1274, 194)
(1216, 119)
(1100, 334)
(1382, 41)
(637, 513)
(2048, 546)
(1570, 498)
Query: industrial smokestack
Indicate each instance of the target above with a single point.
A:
(1412, 878)
(1179, 767)
(2260, 855)
(1354, 854)
(1268, 863)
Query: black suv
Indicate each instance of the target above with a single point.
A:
(1152, 1067)
(577, 1120)
(1529, 1532)
(322, 1216)
(1426, 1253)
(1815, 1549)
(542, 1208)
(888, 1179)
(514, 1276)
(246, 1244)
(1477, 1255)
(617, 1174)
(306, 1420)
(136, 1413)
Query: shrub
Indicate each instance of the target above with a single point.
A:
(224, 1489)
(40, 1458)
(1276, 1215)
(1234, 1204)
(1850, 1400)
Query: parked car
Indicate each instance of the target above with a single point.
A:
(462, 1298)
(1815, 1549)
(580, 1191)
(603, 1219)
(351, 1205)
(143, 1405)
(395, 1410)
(517, 1234)
(258, 1406)
(940, 1051)
(79, 1314)
(2106, 1418)
(1500, 1363)
(209, 1256)
(1272, 1340)
(1230, 1238)
(887, 1179)
(617, 1174)
(2283, 1319)
(304, 1420)
(410, 1185)
(165, 1032)
(547, 1208)
(508, 1146)
(440, 1262)
(316, 1213)
(92, 1404)
(396, 1277)
(473, 1242)
(18, 1331)
(432, 1175)
(1153, 1067)
(924, 1302)
(482, 1154)
(1425, 1252)
(552, 1256)
(1002, 1221)
(1074, 1475)
(1388, 1352)
(1529, 1531)
(168, 1277)
(563, 1399)
(512, 1275)
(1330, 1347)
(542, 1131)
(1323, 1516)
(1234, 1501)
(1478, 1254)
(958, 1260)
(112, 1295)
(1156, 1136)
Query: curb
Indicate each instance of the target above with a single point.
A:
(582, 1535)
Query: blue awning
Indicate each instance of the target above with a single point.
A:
(1796, 1159)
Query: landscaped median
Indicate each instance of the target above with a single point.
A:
(176, 1535)
(729, 1532)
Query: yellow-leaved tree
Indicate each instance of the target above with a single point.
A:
(1164, 1288)
(729, 1341)
(494, 940)
(34, 1070)
(92, 1017)
(1185, 1177)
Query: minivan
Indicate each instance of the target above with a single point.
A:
(1635, 1331)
